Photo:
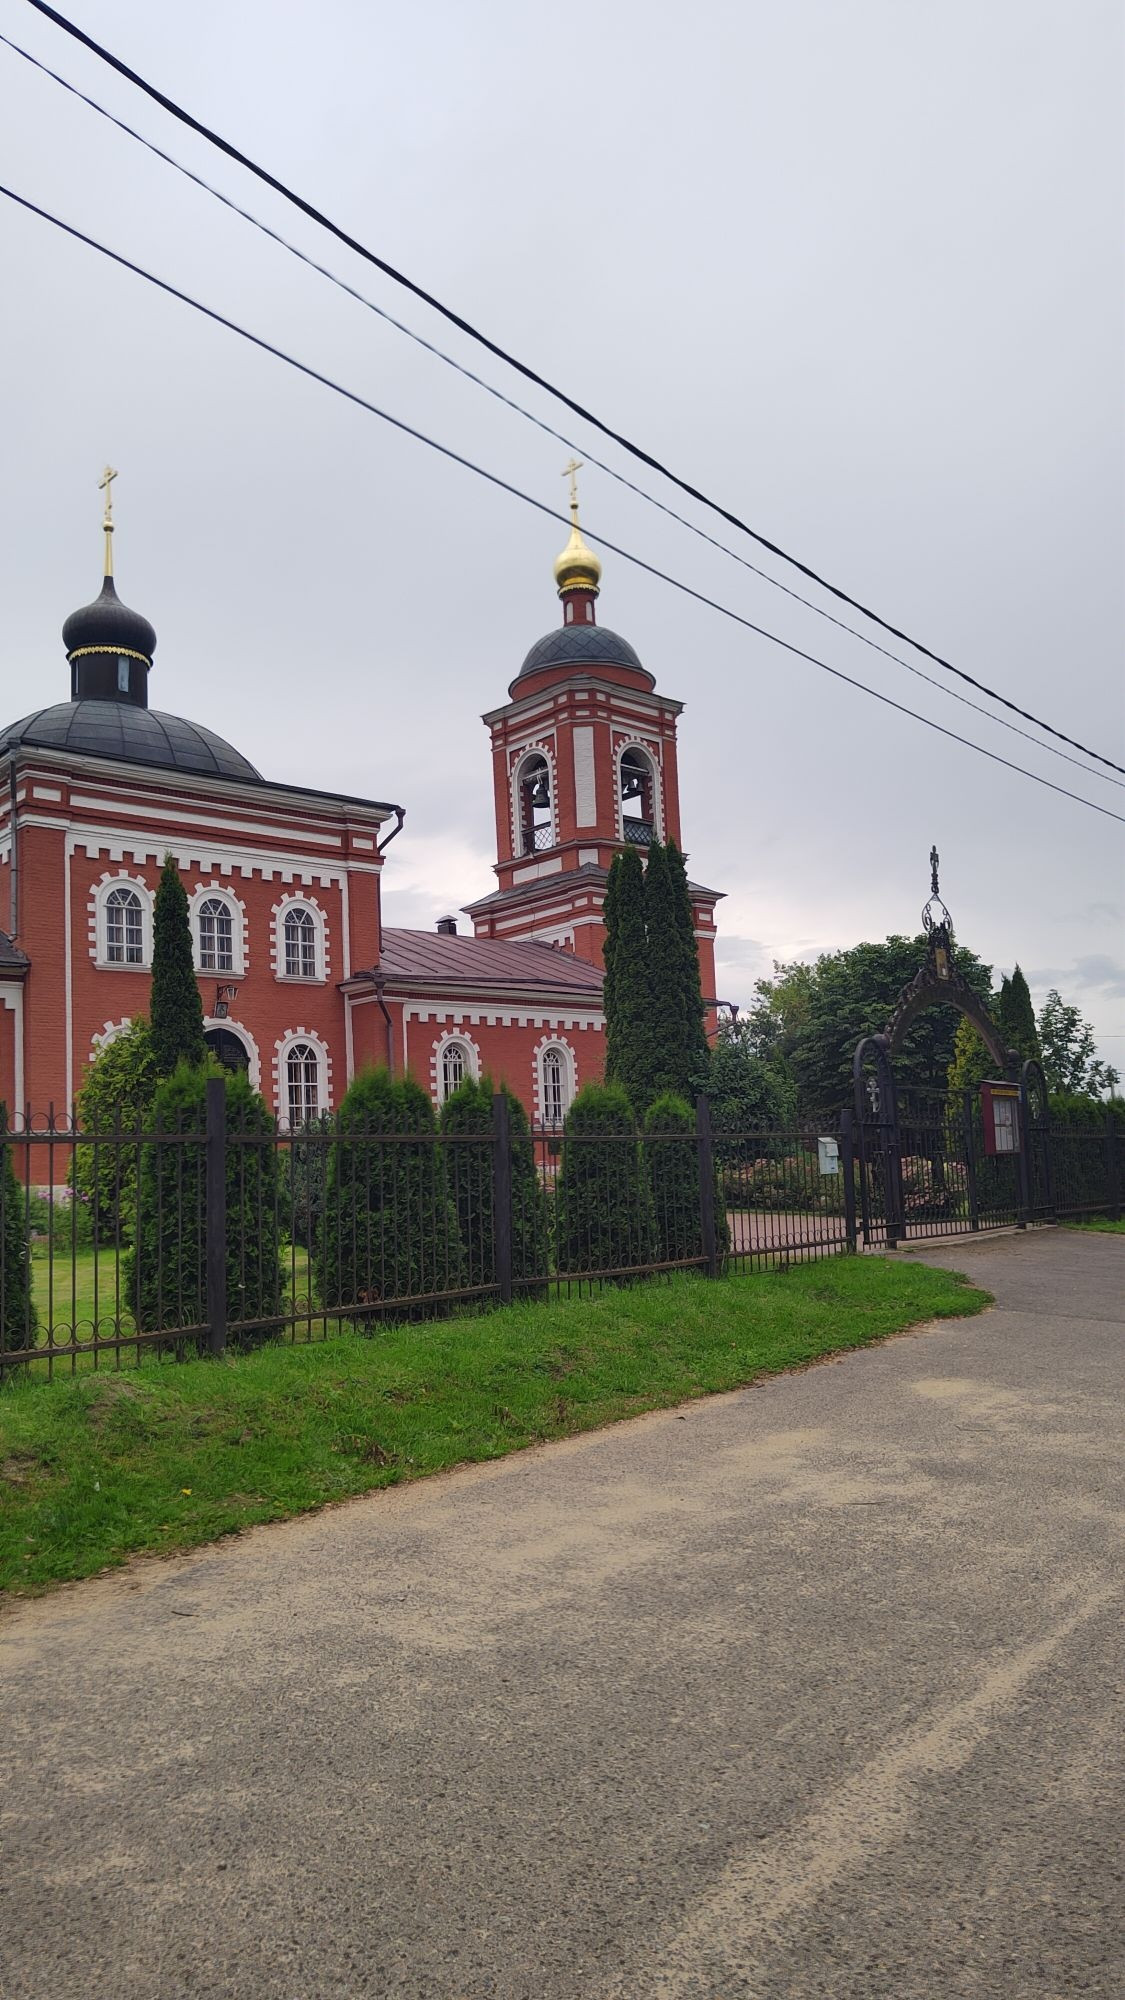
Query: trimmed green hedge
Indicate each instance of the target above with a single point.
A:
(603, 1204)
(164, 1274)
(391, 1230)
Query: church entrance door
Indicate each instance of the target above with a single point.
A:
(230, 1049)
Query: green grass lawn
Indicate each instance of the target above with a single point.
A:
(1101, 1222)
(96, 1467)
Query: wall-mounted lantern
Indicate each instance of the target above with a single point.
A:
(224, 998)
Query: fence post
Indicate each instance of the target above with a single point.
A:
(968, 1130)
(502, 1195)
(705, 1144)
(1113, 1186)
(215, 1203)
(847, 1162)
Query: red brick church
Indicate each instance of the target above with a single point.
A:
(301, 983)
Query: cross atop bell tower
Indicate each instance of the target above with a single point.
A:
(583, 764)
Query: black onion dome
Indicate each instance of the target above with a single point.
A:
(110, 626)
(582, 646)
(132, 734)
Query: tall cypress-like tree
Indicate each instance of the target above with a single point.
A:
(1016, 1016)
(695, 1036)
(666, 1066)
(177, 1011)
(627, 1026)
(611, 914)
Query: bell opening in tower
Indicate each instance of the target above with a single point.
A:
(638, 825)
(537, 828)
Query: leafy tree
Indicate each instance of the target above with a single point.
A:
(305, 1164)
(1070, 1064)
(1015, 1016)
(116, 1097)
(603, 1209)
(468, 1109)
(971, 1062)
(19, 1321)
(747, 1091)
(177, 1011)
(627, 1025)
(390, 1225)
(851, 993)
(164, 1274)
(780, 1011)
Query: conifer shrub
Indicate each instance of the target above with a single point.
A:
(114, 1101)
(177, 1010)
(673, 1173)
(164, 1279)
(19, 1321)
(603, 1205)
(469, 1169)
(391, 1231)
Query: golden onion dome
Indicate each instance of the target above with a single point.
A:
(577, 568)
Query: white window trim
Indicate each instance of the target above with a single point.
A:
(320, 925)
(282, 1047)
(570, 1063)
(240, 948)
(656, 767)
(99, 940)
(437, 1055)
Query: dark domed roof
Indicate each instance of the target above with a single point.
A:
(582, 646)
(136, 735)
(110, 626)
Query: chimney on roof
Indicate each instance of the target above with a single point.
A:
(447, 926)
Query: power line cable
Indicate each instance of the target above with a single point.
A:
(509, 403)
(540, 506)
(530, 374)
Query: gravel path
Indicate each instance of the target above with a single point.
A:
(806, 1690)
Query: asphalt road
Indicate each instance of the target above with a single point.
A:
(808, 1691)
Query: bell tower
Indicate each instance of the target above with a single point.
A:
(583, 763)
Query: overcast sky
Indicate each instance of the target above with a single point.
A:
(855, 267)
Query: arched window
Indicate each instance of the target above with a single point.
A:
(556, 1084)
(454, 1068)
(534, 815)
(638, 799)
(300, 944)
(124, 928)
(302, 1083)
(216, 935)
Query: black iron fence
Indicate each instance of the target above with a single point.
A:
(212, 1233)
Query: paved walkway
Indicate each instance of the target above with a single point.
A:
(804, 1692)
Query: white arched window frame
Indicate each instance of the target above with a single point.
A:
(300, 942)
(555, 1081)
(123, 925)
(545, 835)
(225, 1026)
(455, 1058)
(302, 1079)
(218, 930)
(650, 816)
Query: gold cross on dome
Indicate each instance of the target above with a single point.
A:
(571, 472)
(105, 485)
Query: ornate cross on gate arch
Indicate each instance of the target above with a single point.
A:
(934, 859)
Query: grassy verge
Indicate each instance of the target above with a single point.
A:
(1102, 1223)
(98, 1467)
